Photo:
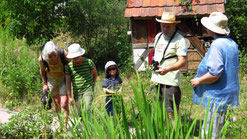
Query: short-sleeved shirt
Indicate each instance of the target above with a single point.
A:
(178, 46)
(82, 78)
(222, 59)
(112, 84)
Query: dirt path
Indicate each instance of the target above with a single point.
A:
(5, 115)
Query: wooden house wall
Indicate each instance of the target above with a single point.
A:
(139, 31)
(143, 33)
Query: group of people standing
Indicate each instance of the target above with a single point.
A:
(216, 84)
(216, 80)
(61, 70)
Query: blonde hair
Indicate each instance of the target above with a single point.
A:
(49, 48)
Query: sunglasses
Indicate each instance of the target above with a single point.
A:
(110, 69)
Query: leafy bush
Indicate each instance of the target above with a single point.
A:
(237, 17)
(29, 123)
(243, 61)
(101, 29)
(36, 21)
(117, 49)
(19, 70)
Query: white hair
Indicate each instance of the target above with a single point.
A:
(49, 48)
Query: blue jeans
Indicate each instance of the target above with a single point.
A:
(111, 103)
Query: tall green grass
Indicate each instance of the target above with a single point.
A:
(152, 121)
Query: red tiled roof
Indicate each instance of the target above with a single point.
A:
(151, 8)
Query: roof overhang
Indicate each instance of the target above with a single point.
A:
(155, 8)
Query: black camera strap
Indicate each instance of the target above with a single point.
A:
(166, 46)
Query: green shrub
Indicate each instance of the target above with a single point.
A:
(29, 123)
(19, 71)
(243, 61)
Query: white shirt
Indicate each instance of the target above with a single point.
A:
(178, 46)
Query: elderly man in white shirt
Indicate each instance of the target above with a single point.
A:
(170, 54)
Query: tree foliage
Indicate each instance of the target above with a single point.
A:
(35, 20)
(100, 27)
(236, 11)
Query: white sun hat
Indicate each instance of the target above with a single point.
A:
(75, 50)
(110, 63)
(216, 22)
(168, 17)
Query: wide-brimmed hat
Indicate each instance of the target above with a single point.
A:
(168, 17)
(216, 22)
(75, 50)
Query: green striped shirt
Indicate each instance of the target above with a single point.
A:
(81, 76)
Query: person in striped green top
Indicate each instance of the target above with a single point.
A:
(82, 73)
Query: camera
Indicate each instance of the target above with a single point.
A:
(46, 100)
(155, 65)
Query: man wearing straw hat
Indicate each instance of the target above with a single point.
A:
(82, 73)
(169, 56)
(216, 83)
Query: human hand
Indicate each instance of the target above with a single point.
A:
(118, 93)
(194, 82)
(71, 101)
(45, 87)
(162, 71)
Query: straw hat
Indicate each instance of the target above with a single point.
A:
(216, 22)
(75, 50)
(168, 17)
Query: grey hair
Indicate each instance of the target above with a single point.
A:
(49, 48)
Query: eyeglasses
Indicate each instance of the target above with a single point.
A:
(110, 69)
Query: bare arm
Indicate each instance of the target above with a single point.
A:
(68, 88)
(205, 79)
(107, 91)
(179, 64)
(94, 72)
(43, 74)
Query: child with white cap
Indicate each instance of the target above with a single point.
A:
(111, 85)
